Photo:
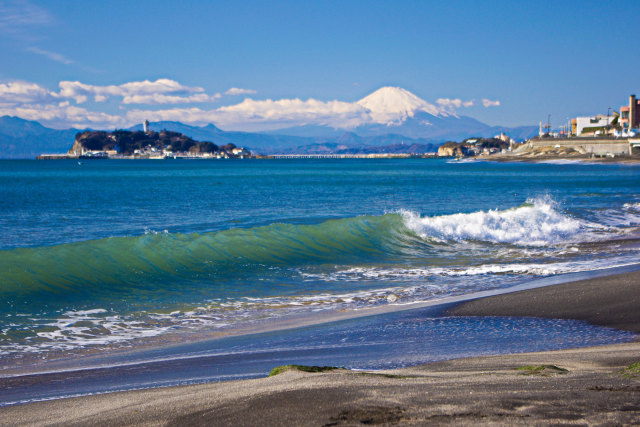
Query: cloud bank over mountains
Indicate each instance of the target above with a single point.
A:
(77, 104)
(161, 91)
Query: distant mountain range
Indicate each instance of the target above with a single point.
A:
(20, 139)
(396, 111)
(398, 120)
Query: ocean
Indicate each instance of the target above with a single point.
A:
(155, 258)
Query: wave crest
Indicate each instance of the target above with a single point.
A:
(537, 222)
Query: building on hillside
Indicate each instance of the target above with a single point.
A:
(506, 138)
(630, 114)
(592, 125)
(502, 137)
(240, 152)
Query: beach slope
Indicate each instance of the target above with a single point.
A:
(597, 385)
(612, 301)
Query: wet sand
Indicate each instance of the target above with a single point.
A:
(581, 386)
(612, 301)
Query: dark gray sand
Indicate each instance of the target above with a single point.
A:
(583, 386)
(607, 301)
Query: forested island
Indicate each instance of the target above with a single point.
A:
(149, 144)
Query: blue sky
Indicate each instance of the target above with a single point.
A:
(312, 60)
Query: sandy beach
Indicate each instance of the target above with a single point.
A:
(596, 385)
(611, 301)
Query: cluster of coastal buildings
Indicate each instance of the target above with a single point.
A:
(150, 152)
(610, 135)
(622, 124)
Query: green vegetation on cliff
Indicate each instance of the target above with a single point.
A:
(129, 142)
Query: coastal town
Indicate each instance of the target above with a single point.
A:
(615, 134)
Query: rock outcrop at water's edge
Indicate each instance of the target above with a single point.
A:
(472, 147)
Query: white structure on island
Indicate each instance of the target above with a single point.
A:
(145, 126)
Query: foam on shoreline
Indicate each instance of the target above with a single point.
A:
(157, 350)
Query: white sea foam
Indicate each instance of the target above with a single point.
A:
(379, 274)
(81, 313)
(153, 232)
(77, 329)
(627, 216)
(536, 223)
(566, 162)
(465, 160)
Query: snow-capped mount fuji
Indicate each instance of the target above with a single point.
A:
(396, 111)
(393, 105)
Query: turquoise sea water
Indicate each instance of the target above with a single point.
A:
(108, 253)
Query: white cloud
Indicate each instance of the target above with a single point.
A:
(158, 86)
(265, 113)
(51, 55)
(161, 91)
(489, 103)
(33, 102)
(15, 16)
(331, 113)
(18, 92)
(158, 98)
(272, 114)
(238, 91)
(454, 103)
(58, 109)
(63, 115)
(80, 92)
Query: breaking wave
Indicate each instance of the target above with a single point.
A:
(119, 289)
(125, 266)
(538, 222)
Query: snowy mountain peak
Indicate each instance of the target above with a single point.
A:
(392, 105)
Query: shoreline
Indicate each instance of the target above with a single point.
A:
(92, 358)
(578, 300)
(620, 160)
(592, 385)
(583, 377)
